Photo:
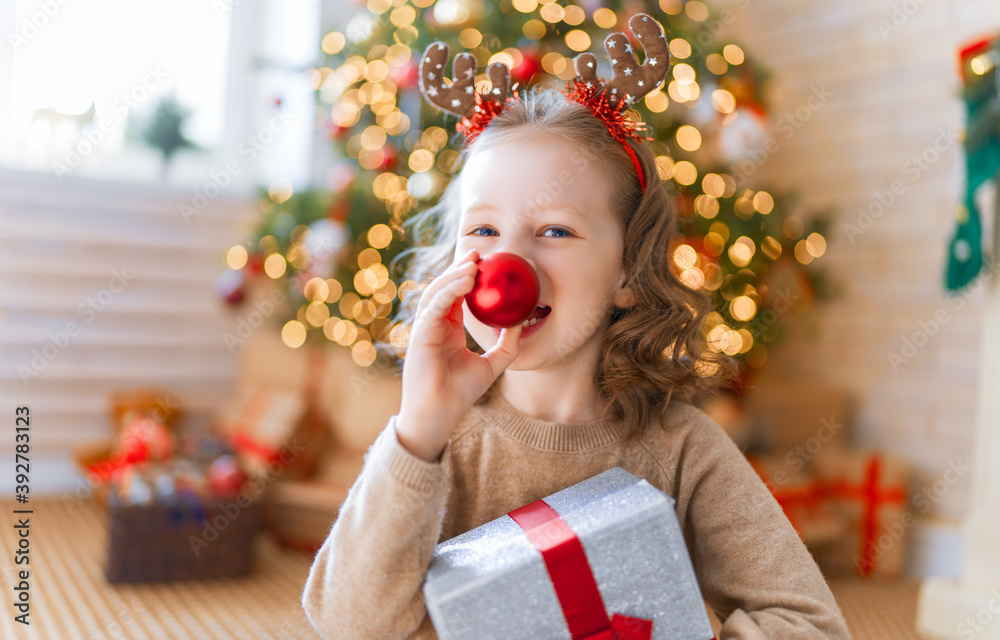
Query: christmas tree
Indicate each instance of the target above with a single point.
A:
(752, 248)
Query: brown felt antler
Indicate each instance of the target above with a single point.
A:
(631, 80)
(459, 98)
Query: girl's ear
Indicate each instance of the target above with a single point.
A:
(624, 296)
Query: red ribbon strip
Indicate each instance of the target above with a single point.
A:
(253, 411)
(573, 579)
(243, 442)
(810, 496)
(871, 497)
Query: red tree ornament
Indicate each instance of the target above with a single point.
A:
(506, 290)
(254, 265)
(143, 438)
(225, 476)
(335, 131)
(529, 66)
(406, 77)
(391, 158)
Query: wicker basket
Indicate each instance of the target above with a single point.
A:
(160, 542)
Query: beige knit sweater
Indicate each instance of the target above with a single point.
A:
(753, 569)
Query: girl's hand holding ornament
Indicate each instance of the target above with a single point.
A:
(442, 378)
(506, 290)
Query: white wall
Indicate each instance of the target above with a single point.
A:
(891, 68)
(106, 286)
(64, 239)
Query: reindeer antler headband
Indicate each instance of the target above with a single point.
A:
(608, 101)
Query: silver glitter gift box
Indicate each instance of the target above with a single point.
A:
(493, 582)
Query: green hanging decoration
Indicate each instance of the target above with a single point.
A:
(982, 157)
(164, 130)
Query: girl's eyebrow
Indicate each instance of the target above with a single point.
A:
(555, 206)
(479, 206)
(561, 206)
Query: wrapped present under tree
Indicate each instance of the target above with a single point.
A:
(869, 488)
(275, 431)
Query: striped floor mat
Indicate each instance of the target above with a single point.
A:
(70, 599)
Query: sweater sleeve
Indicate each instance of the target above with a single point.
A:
(753, 569)
(366, 580)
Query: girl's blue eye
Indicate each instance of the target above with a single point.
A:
(564, 231)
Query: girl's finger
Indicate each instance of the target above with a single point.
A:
(454, 272)
(460, 265)
(504, 352)
(471, 254)
(442, 302)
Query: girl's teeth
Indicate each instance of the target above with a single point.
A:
(529, 323)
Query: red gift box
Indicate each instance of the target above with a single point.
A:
(275, 432)
(869, 488)
(802, 496)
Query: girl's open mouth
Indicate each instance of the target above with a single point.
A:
(541, 311)
(534, 322)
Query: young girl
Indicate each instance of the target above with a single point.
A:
(493, 420)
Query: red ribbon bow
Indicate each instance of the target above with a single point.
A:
(573, 579)
(243, 442)
(872, 494)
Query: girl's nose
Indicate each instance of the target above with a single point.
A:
(533, 264)
(512, 247)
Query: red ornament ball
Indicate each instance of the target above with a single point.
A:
(143, 438)
(225, 476)
(391, 158)
(506, 290)
(406, 77)
(254, 265)
(526, 70)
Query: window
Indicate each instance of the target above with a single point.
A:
(85, 71)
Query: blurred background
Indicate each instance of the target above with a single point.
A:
(199, 205)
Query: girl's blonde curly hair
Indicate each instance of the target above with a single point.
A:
(652, 351)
